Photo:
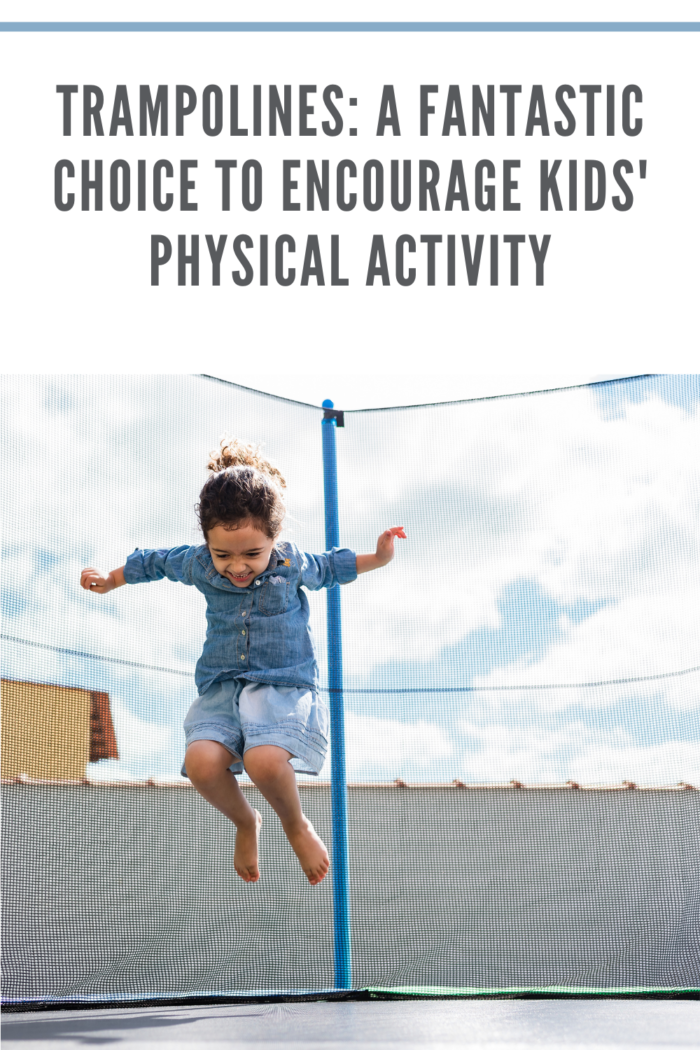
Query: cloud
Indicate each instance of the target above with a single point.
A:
(145, 748)
(384, 749)
(666, 763)
(541, 754)
(551, 539)
(613, 398)
(540, 489)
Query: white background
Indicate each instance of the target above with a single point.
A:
(620, 287)
(619, 299)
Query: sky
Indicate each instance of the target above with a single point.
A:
(552, 543)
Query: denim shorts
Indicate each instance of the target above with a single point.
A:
(241, 715)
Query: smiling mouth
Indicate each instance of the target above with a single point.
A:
(242, 576)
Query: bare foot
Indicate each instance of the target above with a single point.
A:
(245, 855)
(311, 852)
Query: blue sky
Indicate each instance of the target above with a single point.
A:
(682, 391)
(552, 539)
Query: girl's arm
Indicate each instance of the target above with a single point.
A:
(143, 566)
(96, 580)
(384, 552)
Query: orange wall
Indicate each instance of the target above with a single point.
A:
(45, 730)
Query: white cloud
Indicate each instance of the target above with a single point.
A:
(384, 749)
(499, 753)
(543, 489)
(380, 749)
(666, 763)
(538, 488)
(637, 638)
(144, 748)
(539, 754)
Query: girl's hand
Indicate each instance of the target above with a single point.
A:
(385, 544)
(101, 582)
(385, 550)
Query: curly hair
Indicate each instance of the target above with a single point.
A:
(242, 485)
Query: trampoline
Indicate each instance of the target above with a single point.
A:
(511, 801)
(374, 1026)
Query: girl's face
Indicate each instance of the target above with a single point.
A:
(240, 553)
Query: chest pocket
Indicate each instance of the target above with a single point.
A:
(274, 596)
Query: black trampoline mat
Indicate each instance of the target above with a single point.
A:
(499, 1025)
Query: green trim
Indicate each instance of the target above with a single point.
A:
(412, 992)
(427, 991)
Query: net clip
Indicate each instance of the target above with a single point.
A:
(335, 413)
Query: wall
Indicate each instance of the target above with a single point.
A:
(131, 891)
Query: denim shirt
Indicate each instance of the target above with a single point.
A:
(260, 632)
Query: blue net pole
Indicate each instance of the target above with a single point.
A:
(340, 873)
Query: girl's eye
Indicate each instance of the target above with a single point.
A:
(248, 554)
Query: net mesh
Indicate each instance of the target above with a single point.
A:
(522, 707)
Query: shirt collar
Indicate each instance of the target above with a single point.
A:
(276, 557)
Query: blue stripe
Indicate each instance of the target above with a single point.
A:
(349, 27)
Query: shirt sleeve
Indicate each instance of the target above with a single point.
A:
(174, 564)
(338, 565)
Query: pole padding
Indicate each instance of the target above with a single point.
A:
(339, 810)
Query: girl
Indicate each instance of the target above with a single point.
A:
(257, 677)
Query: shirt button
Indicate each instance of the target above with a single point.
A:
(243, 658)
(242, 632)
(257, 583)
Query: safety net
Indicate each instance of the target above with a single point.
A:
(520, 688)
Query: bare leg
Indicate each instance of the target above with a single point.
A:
(269, 769)
(207, 762)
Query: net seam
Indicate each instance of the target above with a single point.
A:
(325, 689)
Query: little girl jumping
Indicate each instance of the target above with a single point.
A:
(257, 677)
